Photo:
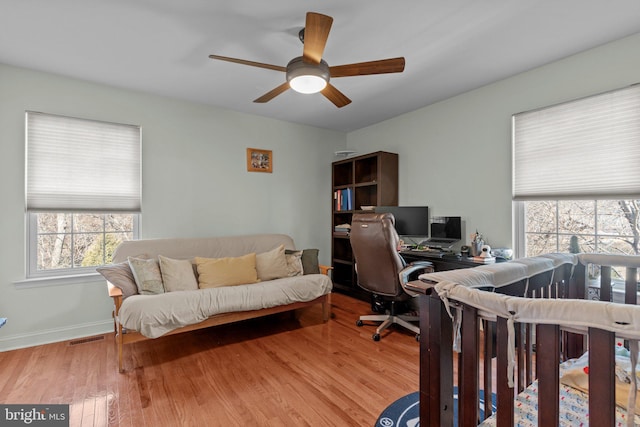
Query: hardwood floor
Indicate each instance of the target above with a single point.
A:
(275, 371)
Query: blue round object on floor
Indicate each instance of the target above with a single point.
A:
(405, 412)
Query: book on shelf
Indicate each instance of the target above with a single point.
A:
(343, 227)
(343, 199)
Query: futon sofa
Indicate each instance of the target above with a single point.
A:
(166, 286)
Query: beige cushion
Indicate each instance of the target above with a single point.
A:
(272, 264)
(229, 271)
(147, 274)
(177, 274)
(294, 263)
(120, 275)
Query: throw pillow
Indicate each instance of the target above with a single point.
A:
(120, 275)
(147, 274)
(177, 274)
(294, 262)
(217, 272)
(272, 264)
(310, 264)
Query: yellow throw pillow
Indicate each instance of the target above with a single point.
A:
(217, 272)
(272, 264)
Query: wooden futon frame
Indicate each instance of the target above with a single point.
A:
(124, 336)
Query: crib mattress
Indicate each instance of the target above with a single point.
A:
(574, 407)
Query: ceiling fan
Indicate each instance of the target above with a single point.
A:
(309, 73)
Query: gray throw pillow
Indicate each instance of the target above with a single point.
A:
(310, 263)
(120, 275)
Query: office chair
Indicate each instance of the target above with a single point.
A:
(379, 268)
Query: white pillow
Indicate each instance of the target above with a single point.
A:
(272, 264)
(177, 274)
(294, 263)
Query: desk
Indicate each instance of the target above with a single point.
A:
(441, 261)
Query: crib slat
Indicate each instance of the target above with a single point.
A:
(574, 345)
(436, 363)
(504, 395)
(528, 354)
(605, 283)
(547, 370)
(631, 286)
(489, 328)
(521, 350)
(601, 378)
(469, 370)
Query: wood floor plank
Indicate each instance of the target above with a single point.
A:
(275, 371)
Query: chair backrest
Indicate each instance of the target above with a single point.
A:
(374, 242)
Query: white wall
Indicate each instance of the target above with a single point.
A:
(455, 156)
(195, 183)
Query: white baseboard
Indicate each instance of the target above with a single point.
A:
(14, 342)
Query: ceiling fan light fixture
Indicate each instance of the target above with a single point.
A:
(308, 84)
(307, 78)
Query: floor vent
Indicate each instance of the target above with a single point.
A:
(86, 340)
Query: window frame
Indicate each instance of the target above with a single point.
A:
(32, 271)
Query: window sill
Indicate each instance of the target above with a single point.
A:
(41, 282)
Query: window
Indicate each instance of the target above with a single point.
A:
(76, 242)
(603, 226)
(83, 192)
(576, 180)
(606, 226)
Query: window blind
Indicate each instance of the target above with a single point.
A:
(82, 165)
(583, 149)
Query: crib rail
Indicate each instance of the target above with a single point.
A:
(540, 348)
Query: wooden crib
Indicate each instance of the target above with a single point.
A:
(533, 332)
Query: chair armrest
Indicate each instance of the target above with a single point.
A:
(324, 269)
(413, 268)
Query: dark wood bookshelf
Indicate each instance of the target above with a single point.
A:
(372, 180)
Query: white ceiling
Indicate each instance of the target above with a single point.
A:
(162, 47)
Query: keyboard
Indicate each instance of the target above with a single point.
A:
(440, 241)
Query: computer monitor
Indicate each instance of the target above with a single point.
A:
(446, 227)
(411, 222)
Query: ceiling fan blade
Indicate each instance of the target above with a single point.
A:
(383, 66)
(272, 93)
(334, 95)
(252, 63)
(316, 33)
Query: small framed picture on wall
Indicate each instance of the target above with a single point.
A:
(259, 160)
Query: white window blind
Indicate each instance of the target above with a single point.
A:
(583, 149)
(82, 165)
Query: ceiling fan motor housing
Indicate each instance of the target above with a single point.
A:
(298, 69)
